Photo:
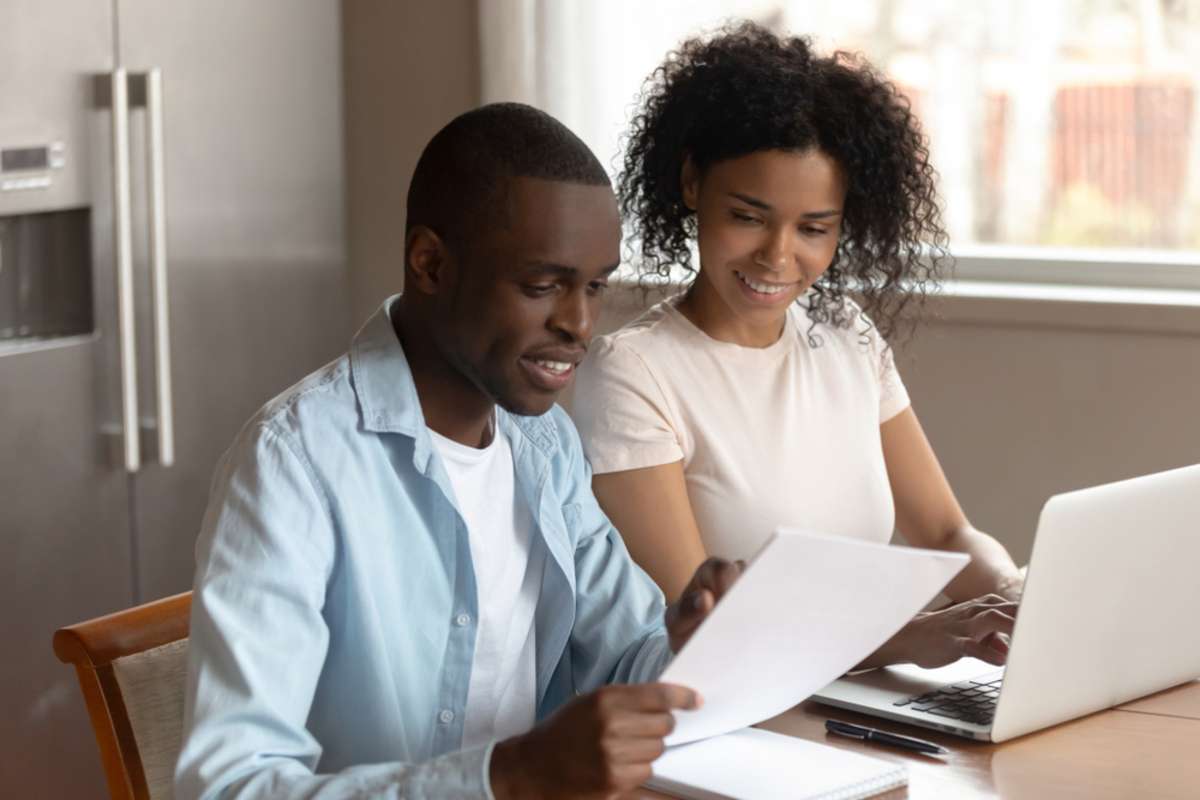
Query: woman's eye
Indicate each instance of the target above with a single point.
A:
(814, 231)
(741, 217)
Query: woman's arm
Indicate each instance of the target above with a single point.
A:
(928, 514)
(651, 510)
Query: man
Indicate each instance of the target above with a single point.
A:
(404, 586)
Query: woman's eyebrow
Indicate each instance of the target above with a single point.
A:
(765, 206)
(751, 201)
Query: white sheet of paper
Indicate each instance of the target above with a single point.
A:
(807, 609)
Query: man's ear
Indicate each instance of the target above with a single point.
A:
(425, 259)
(689, 183)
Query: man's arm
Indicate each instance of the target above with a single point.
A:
(258, 643)
(624, 632)
(619, 634)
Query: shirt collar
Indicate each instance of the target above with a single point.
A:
(383, 381)
(387, 395)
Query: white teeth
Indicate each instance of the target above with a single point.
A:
(762, 288)
(557, 367)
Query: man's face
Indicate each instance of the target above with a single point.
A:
(522, 296)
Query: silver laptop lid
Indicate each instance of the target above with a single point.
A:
(1111, 602)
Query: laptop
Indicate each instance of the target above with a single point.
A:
(1108, 615)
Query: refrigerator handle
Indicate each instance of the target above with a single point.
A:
(158, 259)
(123, 238)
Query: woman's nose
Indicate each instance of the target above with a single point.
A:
(775, 253)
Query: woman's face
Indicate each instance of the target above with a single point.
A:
(768, 228)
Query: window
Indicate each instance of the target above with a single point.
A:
(1066, 132)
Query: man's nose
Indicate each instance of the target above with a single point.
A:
(574, 315)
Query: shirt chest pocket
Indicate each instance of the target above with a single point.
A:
(560, 527)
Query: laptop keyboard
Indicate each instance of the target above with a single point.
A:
(969, 701)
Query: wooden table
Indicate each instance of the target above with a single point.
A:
(1149, 748)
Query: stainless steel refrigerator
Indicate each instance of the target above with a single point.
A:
(171, 255)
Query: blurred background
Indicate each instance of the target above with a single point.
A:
(1053, 122)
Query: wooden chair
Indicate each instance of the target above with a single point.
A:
(132, 667)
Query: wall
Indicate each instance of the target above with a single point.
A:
(1023, 399)
(408, 69)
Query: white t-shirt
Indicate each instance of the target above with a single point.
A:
(782, 435)
(502, 694)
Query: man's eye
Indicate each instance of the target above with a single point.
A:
(598, 287)
(539, 289)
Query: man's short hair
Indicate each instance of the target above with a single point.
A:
(459, 185)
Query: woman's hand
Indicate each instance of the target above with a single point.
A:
(979, 628)
(1014, 586)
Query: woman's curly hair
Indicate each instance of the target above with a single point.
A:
(743, 90)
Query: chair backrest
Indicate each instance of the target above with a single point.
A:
(132, 668)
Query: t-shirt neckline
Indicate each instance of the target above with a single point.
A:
(464, 452)
(786, 341)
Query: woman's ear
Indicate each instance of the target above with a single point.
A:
(689, 183)
(424, 260)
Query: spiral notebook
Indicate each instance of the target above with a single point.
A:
(753, 763)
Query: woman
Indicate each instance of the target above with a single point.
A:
(763, 395)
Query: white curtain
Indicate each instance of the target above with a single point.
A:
(584, 61)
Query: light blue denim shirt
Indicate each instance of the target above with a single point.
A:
(334, 615)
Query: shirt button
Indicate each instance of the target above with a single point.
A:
(462, 620)
(446, 716)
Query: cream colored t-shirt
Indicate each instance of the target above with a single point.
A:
(782, 435)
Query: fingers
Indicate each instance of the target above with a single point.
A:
(988, 622)
(986, 601)
(983, 612)
(1000, 642)
(641, 725)
(979, 628)
(634, 721)
(988, 628)
(712, 580)
(686, 614)
(984, 651)
(630, 776)
(599, 744)
(648, 697)
(636, 750)
(636, 717)
(717, 576)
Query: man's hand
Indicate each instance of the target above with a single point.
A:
(596, 746)
(710, 583)
(980, 628)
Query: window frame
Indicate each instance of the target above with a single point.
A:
(1085, 268)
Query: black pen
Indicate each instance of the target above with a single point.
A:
(883, 737)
